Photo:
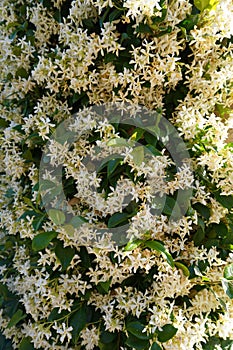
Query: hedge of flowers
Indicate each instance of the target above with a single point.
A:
(169, 283)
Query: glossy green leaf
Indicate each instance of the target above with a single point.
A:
(3, 123)
(64, 255)
(85, 258)
(171, 207)
(117, 219)
(26, 344)
(46, 184)
(155, 346)
(198, 237)
(16, 318)
(69, 229)
(226, 201)
(203, 210)
(136, 328)
(118, 142)
(137, 134)
(78, 321)
(55, 314)
(138, 155)
(228, 287)
(189, 22)
(112, 165)
(143, 28)
(42, 240)
(5, 344)
(109, 346)
(77, 221)
(132, 245)
(57, 216)
(205, 4)
(38, 221)
(107, 337)
(184, 268)
(103, 287)
(220, 229)
(228, 272)
(159, 247)
(21, 72)
(52, 194)
(114, 15)
(4, 291)
(153, 150)
(168, 331)
(136, 343)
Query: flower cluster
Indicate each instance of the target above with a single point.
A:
(116, 164)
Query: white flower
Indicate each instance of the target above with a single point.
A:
(90, 337)
(64, 331)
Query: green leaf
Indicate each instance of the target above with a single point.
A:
(29, 213)
(228, 272)
(55, 314)
(114, 15)
(118, 219)
(64, 255)
(27, 155)
(226, 201)
(118, 142)
(156, 346)
(161, 249)
(150, 138)
(26, 344)
(184, 268)
(137, 134)
(46, 184)
(171, 207)
(77, 221)
(113, 346)
(138, 155)
(168, 331)
(3, 123)
(143, 28)
(112, 165)
(223, 344)
(57, 216)
(21, 72)
(85, 258)
(198, 236)
(16, 318)
(201, 223)
(206, 4)
(228, 287)
(78, 321)
(69, 230)
(38, 221)
(153, 150)
(132, 245)
(203, 210)
(53, 193)
(220, 229)
(136, 328)
(107, 337)
(136, 343)
(4, 291)
(212, 243)
(5, 344)
(103, 287)
(189, 22)
(42, 240)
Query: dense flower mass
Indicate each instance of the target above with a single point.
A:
(168, 282)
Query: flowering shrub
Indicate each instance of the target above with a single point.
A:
(168, 282)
